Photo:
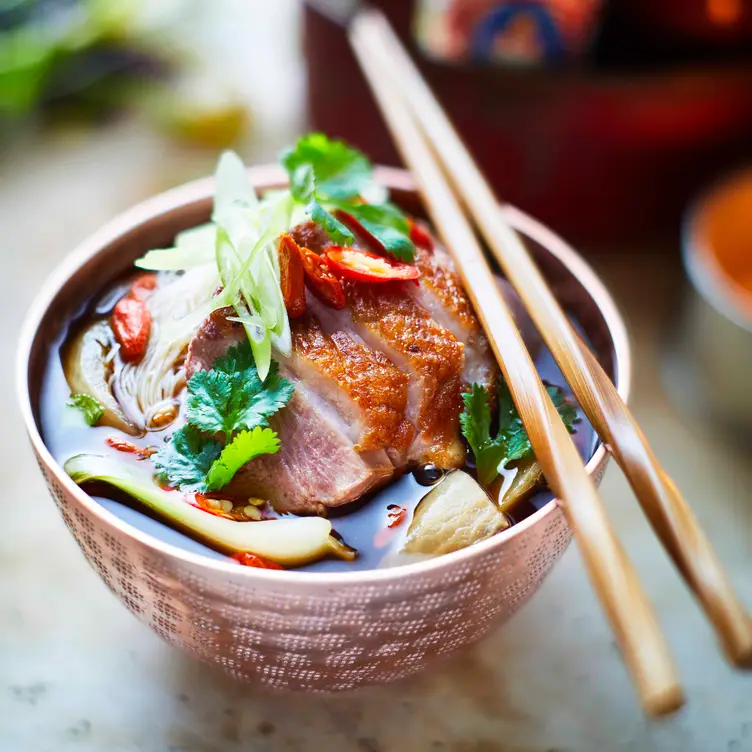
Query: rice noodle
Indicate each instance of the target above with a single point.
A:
(147, 389)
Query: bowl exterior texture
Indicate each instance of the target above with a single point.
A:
(297, 630)
(300, 636)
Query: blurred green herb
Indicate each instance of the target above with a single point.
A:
(328, 175)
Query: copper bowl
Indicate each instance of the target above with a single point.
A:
(302, 630)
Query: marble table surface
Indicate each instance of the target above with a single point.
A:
(77, 672)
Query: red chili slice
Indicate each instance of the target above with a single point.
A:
(291, 277)
(247, 559)
(368, 267)
(396, 515)
(126, 446)
(420, 235)
(322, 283)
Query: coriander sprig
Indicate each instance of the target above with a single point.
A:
(328, 175)
(91, 408)
(511, 441)
(227, 412)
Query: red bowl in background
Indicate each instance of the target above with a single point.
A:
(604, 158)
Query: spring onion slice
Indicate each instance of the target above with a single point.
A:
(239, 244)
(192, 248)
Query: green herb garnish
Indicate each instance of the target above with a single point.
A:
(231, 397)
(185, 462)
(227, 412)
(243, 448)
(337, 231)
(341, 173)
(91, 407)
(326, 175)
(511, 441)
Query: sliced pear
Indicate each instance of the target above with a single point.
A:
(289, 542)
(87, 370)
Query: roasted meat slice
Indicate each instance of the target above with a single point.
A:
(387, 318)
(212, 340)
(364, 385)
(440, 293)
(337, 434)
(317, 466)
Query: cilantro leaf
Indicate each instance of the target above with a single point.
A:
(511, 441)
(326, 174)
(565, 408)
(475, 419)
(388, 225)
(231, 397)
(185, 461)
(237, 358)
(209, 397)
(341, 171)
(475, 422)
(507, 409)
(338, 232)
(276, 393)
(243, 448)
(91, 407)
(227, 411)
(386, 214)
(303, 183)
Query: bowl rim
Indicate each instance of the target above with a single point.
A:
(272, 177)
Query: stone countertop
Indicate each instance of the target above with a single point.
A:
(77, 672)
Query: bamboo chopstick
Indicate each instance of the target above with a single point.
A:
(611, 573)
(668, 513)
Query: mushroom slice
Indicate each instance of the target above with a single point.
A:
(88, 363)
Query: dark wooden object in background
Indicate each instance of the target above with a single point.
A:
(603, 157)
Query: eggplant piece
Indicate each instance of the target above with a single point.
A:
(88, 367)
(290, 542)
(454, 514)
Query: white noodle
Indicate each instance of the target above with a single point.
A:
(144, 389)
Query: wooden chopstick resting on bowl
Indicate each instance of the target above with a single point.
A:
(670, 516)
(613, 576)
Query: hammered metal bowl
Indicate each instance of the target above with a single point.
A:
(298, 630)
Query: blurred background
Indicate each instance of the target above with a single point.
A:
(625, 125)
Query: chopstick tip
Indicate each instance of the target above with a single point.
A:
(665, 702)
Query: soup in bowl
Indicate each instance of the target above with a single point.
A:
(280, 437)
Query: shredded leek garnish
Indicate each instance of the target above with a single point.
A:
(239, 242)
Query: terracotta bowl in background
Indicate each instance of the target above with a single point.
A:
(303, 630)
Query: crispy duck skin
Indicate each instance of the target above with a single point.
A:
(318, 465)
(440, 292)
(365, 377)
(388, 318)
(377, 385)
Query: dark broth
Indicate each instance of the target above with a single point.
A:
(363, 524)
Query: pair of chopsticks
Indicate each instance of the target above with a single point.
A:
(446, 173)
